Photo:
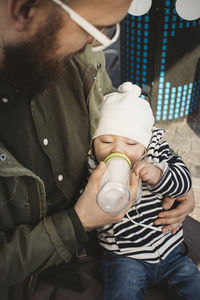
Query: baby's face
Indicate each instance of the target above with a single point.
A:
(108, 144)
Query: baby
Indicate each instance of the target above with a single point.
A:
(136, 253)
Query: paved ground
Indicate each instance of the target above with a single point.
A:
(184, 137)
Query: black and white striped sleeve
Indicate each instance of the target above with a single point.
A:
(176, 179)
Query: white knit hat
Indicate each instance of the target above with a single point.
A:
(124, 113)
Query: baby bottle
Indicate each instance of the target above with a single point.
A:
(114, 193)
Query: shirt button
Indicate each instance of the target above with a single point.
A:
(45, 142)
(4, 100)
(98, 66)
(60, 177)
(27, 204)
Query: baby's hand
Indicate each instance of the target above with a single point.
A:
(147, 172)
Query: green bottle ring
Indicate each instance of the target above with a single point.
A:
(119, 155)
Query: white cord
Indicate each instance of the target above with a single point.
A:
(143, 225)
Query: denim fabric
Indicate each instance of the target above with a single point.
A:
(127, 279)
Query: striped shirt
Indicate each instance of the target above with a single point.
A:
(131, 236)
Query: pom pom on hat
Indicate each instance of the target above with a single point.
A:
(129, 87)
(124, 113)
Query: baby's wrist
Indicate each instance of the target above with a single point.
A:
(159, 174)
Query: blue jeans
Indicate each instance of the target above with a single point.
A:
(127, 279)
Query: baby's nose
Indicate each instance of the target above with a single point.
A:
(117, 148)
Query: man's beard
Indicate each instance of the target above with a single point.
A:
(32, 66)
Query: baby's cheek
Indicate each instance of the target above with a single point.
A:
(135, 159)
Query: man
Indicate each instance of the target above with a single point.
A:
(45, 131)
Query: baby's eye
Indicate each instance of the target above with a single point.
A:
(106, 142)
(131, 144)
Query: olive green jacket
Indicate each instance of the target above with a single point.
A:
(65, 119)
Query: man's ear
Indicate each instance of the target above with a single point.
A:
(21, 13)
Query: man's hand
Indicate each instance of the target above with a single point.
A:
(87, 209)
(172, 219)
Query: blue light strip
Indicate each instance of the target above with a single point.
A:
(174, 102)
(136, 41)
